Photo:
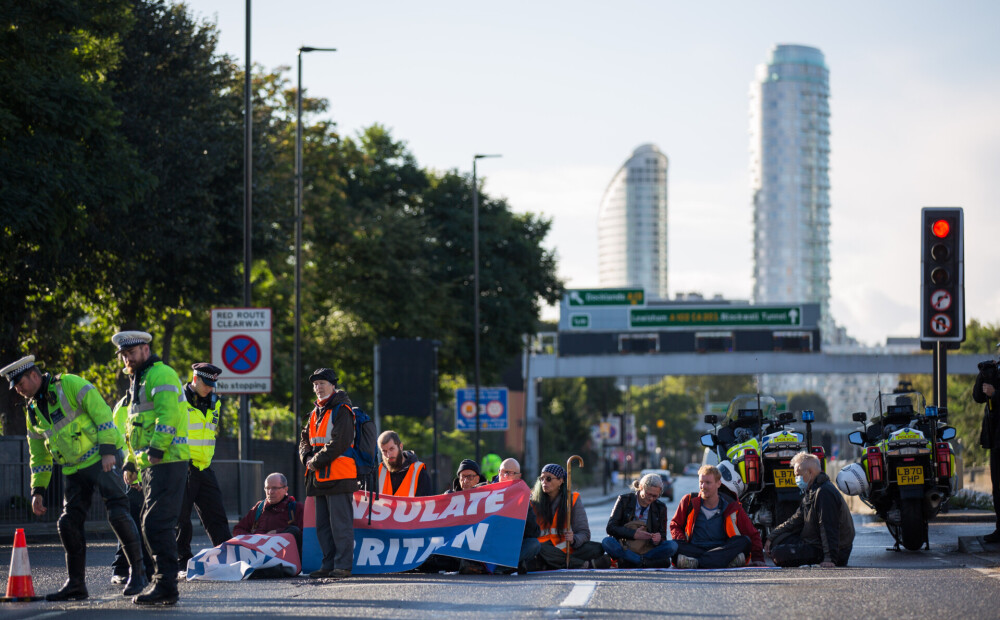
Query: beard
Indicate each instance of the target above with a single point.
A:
(395, 464)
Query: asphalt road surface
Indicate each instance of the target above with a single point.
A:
(940, 583)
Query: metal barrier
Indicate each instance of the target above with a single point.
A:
(242, 484)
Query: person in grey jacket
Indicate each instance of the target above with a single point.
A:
(559, 537)
(821, 531)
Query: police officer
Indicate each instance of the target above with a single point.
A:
(119, 567)
(158, 452)
(70, 424)
(202, 490)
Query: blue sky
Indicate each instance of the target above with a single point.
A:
(566, 90)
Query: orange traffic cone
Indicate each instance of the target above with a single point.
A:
(19, 586)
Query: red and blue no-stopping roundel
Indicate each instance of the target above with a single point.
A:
(241, 354)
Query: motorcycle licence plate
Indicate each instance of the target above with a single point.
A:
(784, 478)
(910, 475)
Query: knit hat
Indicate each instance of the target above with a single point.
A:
(325, 374)
(468, 464)
(555, 470)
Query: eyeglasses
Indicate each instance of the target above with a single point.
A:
(649, 495)
(504, 472)
(469, 477)
(275, 488)
(547, 478)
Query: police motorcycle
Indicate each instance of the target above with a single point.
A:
(907, 463)
(758, 444)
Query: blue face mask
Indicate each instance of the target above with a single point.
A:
(801, 483)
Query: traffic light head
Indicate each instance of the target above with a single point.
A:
(942, 284)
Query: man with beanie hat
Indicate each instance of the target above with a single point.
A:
(468, 476)
(331, 475)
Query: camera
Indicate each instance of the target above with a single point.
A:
(990, 373)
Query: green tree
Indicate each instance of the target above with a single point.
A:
(801, 401)
(66, 172)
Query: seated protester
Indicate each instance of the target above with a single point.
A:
(278, 513)
(510, 469)
(467, 477)
(637, 529)
(821, 531)
(400, 473)
(712, 530)
(559, 534)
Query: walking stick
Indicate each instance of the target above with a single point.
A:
(569, 498)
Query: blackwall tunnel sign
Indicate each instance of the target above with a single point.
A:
(739, 316)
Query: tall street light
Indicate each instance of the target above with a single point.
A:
(475, 285)
(297, 373)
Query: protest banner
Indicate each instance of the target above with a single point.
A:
(240, 556)
(485, 524)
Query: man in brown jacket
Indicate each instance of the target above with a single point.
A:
(331, 475)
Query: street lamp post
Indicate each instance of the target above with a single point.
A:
(475, 286)
(297, 361)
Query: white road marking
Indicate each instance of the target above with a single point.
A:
(580, 595)
(47, 614)
(987, 572)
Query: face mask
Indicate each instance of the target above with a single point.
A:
(801, 483)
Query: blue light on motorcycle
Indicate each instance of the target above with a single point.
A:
(931, 411)
(808, 416)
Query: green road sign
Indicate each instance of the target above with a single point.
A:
(579, 321)
(607, 297)
(738, 316)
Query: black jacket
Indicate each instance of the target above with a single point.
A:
(990, 434)
(343, 437)
(624, 511)
(822, 519)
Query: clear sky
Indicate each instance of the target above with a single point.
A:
(566, 90)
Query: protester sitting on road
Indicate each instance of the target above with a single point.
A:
(712, 531)
(468, 476)
(561, 536)
(637, 529)
(821, 531)
(400, 473)
(277, 513)
(510, 470)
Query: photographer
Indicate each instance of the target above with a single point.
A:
(987, 390)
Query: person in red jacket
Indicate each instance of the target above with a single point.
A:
(278, 513)
(713, 531)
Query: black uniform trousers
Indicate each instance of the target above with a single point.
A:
(120, 564)
(202, 493)
(78, 492)
(995, 475)
(162, 493)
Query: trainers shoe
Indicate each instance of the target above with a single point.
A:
(339, 573)
(738, 561)
(602, 562)
(118, 580)
(684, 561)
(471, 568)
(319, 573)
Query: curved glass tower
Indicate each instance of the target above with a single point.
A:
(789, 170)
(632, 225)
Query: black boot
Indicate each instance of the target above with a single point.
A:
(160, 594)
(128, 536)
(75, 588)
(993, 537)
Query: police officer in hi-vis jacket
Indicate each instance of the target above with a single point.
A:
(156, 435)
(69, 424)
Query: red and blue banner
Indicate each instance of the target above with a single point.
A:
(240, 556)
(485, 524)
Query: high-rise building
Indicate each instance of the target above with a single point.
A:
(790, 153)
(632, 225)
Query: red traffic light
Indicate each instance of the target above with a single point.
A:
(940, 228)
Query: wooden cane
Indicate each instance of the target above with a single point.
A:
(569, 498)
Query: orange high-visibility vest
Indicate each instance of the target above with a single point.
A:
(407, 488)
(320, 434)
(731, 529)
(553, 534)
